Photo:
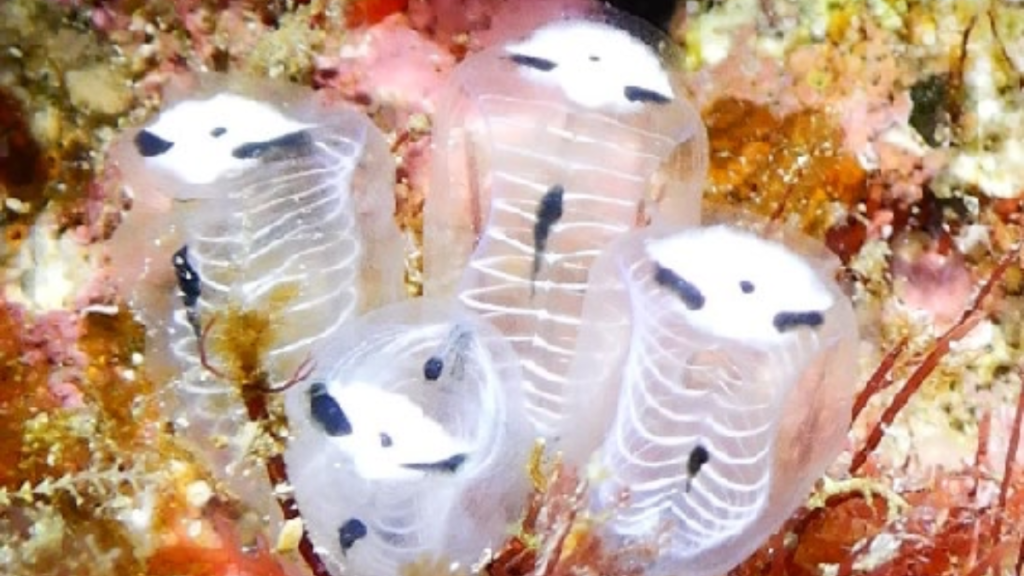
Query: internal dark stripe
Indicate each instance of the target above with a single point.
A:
(688, 293)
(286, 145)
(542, 64)
(448, 465)
(352, 531)
(188, 278)
(784, 321)
(638, 94)
(699, 456)
(150, 145)
(549, 212)
(327, 412)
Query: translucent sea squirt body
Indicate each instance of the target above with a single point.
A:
(409, 444)
(263, 215)
(725, 365)
(546, 149)
(283, 200)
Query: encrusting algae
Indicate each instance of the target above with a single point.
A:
(796, 165)
(886, 130)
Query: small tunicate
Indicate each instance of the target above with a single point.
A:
(390, 467)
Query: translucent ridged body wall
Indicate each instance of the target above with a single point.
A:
(545, 150)
(265, 215)
(410, 442)
(732, 396)
(287, 217)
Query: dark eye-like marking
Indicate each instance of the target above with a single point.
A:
(699, 456)
(447, 466)
(594, 58)
(688, 293)
(218, 131)
(432, 368)
(784, 321)
(542, 64)
(327, 412)
(188, 278)
(549, 212)
(352, 531)
(150, 145)
(282, 146)
(385, 440)
(746, 286)
(638, 94)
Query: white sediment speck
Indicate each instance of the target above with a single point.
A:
(48, 270)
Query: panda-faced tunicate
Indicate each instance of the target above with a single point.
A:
(409, 442)
(547, 148)
(261, 213)
(724, 367)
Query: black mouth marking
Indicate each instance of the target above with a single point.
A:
(784, 321)
(352, 531)
(188, 278)
(688, 293)
(542, 64)
(281, 147)
(327, 413)
(447, 466)
(150, 145)
(638, 94)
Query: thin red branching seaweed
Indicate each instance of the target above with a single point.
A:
(880, 379)
(1008, 468)
(970, 318)
(254, 395)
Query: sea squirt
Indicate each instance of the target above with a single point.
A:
(725, 366)
(545, 149)
(282, 200)
(262, 221)
(408, 442)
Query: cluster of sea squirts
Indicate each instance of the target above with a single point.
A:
(704, 374)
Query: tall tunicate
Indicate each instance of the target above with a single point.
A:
(546, 149)
(262, 217)
(722, 368)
